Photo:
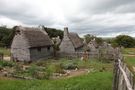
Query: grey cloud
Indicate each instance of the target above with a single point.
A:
(80, 22)
(104, 6)
(104, 31)
(22, 12)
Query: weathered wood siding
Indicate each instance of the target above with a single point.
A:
(19, 48)
(90, 55)
(44, 53)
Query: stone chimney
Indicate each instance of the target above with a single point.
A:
(66, 33)
(18, 30)
(41, 28)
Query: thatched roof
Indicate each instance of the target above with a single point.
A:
(76, 40)
(36, 37)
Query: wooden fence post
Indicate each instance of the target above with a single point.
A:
(115, 73)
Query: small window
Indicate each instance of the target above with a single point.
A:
(39, 49)
(48, 48)
(18, 32)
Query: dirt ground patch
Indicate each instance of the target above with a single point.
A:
(73, 73)
(6, 58)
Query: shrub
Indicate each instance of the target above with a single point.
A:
(48, 73)
(33, 71)
(70, 66)
(41, 63)
(59, 68)
(6, 63)
(39, 73)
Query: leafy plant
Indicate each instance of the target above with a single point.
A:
(6, 63)
(70, 66)
(33, 71)
(59, 68)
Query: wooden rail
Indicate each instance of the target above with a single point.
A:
(127, 81)
(123, 77)
(89, 55)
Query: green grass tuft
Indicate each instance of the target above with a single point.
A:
(92, 81)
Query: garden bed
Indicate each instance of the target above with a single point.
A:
(51, 69)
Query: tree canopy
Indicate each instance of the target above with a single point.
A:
(125, 41)
(88, 37)
(52, 32)
(6, 36)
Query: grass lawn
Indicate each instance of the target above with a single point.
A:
(130, 60)
(129, 55)
(92, 81)
(130, 51)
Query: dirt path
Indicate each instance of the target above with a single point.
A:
(74, 73)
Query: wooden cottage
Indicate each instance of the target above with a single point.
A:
(71, 42)
(31, 44)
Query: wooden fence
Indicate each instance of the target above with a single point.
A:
(123, 77)
(88, 54)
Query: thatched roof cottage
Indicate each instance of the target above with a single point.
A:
(31, 44)
(71, 42)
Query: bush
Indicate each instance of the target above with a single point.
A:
(39, 73)
(41, 63)
(70, 66)
(59, 68)
(48, 73)
(6, 63)
(33, 71)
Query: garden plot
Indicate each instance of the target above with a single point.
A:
(51, 69)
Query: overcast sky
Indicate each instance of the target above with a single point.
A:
(106, 18)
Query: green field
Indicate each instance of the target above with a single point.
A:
(92, 81)
(129, 56)
(129, 51)
(130, 60)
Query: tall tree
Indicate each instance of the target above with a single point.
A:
(88, 38)
(125, 41)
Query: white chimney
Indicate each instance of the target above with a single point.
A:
(66, 31)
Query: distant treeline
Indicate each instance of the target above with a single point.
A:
(122, 40)
(119, 41)
(7, 34)
(52, 32)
